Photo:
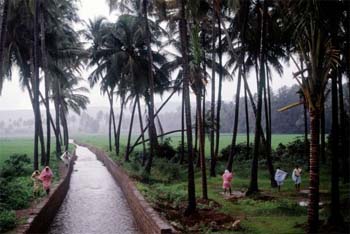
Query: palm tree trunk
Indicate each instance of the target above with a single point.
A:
(36, 83)
(117, 141)
(47, 85)
(212, 105)
(306, 139)
(335, 217)
(191, 208)
(235, 124)
(344, 147)
(253, 186)
(201, 147)
(110, 131)
(196, 134)
(141, 128)
(3, 38)
(156, 113)
(57, 111)
(65, 130)
(246, 117)
(323, 136)
(112, 116)
(130, 131)
(218, 111)
(152, 128)
(314, 172)
(182, 128)
(268, 135)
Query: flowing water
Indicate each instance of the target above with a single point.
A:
(94, 202)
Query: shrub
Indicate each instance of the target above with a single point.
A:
(7, 220)
(241, 152)
(16, 193)
(166, 150)
(16, 165)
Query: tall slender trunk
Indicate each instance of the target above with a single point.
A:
(57, 111)
(306, 129)
(253, 186)
(344, 149)
(182, 128)
(47, 85)
(156, 113)
(218, 111)
(110, 131)
(268, 133)
(152, 128)
(41, 132)
(196, 129)
(235, 124)
(65, 130)
(3, 38)
(335, 217)
(36, 82)
(204, 88)
(212, 105)
(117, 141)
(201, 147)
(246, 117)
(314, 172)
(130, 131)
(323, 136)
(112, 116)
(141, 128)
(191, 208)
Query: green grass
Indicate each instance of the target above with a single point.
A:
(279, 215)
(225, 140)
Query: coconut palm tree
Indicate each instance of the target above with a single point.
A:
(314, 45)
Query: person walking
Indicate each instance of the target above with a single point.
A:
(226, 181)
(36, 183)
(296, 176)
(280, 176)
(46, 177)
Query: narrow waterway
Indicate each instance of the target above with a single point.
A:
(94, 202)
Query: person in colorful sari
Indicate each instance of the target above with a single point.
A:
(280, 176)
(226, 181)
(46, 178)
(36, 183)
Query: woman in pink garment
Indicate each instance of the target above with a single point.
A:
(46, 177)
(227, 178)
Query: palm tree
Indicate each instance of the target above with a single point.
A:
(312, 41)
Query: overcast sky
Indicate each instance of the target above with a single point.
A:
(13, 97)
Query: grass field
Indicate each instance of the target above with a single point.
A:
(225, 140)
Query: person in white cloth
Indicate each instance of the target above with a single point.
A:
(296, 176)
(280, 176)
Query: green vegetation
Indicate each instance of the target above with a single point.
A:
(271, 210)
(16, 186)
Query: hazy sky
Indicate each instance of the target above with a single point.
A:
(13, 97)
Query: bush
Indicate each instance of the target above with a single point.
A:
(16, 165)
(7, 220)
(16, 193)
(166, 150)
(241, 152)
(294, 151)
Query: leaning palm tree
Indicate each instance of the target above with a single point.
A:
(71, 98)
(312, 41)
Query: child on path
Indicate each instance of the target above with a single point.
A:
(296, 176)
(227, 178)
(280, 176)
(46, 177)
(36, 183)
